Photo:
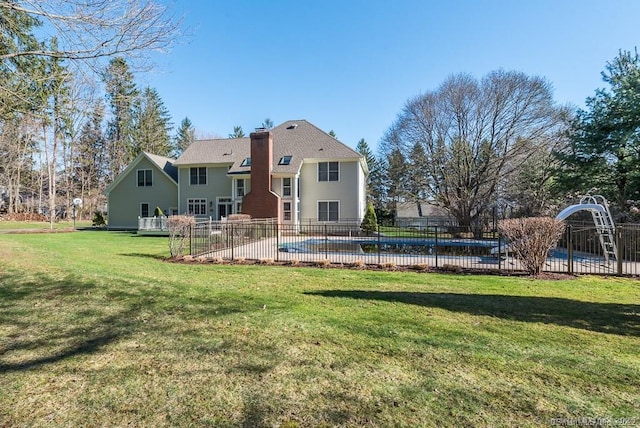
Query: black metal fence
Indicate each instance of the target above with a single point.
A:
(445, 247)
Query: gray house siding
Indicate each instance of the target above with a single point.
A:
(345, 191)
(126, 197)
(218, 185)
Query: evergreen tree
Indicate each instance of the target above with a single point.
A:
(267, 124)
(121, 94)
(417, 180)
(370, 221)
(604, 153)
(372, 165)
(237, 132)
(152, 124)
(184, 137)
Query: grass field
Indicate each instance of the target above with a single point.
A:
(41, 225)
(97, 330)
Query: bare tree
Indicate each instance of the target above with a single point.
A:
(90, 29)
(469, 130)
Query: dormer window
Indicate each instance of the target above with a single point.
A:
(285, 160)
(246, 162)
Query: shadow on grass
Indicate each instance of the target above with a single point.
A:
(48, 320)
(613, 318)
(145, 256)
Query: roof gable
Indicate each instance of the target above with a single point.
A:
(164, 164)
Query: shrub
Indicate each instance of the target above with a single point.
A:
(179, 233)
(530, 239)
(370, 221)
(98, 219)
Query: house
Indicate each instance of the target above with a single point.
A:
(294, 172)
(148, 182)
(423, 214)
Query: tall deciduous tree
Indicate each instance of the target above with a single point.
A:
(91, 29)
(604, 153)
(468, 130)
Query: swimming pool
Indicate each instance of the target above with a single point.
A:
(393, 245)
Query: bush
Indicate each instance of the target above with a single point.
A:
(179, 227)
(98, 219)
(531, 239)
(370, 221)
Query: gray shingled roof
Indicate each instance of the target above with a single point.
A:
(297, 138)
(165, 164)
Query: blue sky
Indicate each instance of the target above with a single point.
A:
(350, 65)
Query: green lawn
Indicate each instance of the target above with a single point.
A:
(41, 225)
(97, 330)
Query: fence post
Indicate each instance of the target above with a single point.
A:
(277, 225)
(231, 236)
(569, 250)
(191, 240)
(326, 242)
(619, 249)
(378, 246)
(435, 245)
(499, 251)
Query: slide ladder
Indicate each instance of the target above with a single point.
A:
(604, 225)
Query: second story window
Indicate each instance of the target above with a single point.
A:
(240, 188)
(286, 186)
(329, 171)
(145, 178)
(198, 175)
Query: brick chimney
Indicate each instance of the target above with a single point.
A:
(261, 202)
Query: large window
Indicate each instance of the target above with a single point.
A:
(145, 177)
(286, 211)
(240, 188)
(329, 171)
(328, 210)
(197, 206)
(198, 175)
(286, 186)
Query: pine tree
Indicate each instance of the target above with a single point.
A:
(184, 137)
(152, 124)
(370, 220)
(121, 94)
(237, 132)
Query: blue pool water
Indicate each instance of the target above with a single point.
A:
(425, 246)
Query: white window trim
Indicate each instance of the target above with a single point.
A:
(318, 210)
(206, 176)
(328, 174)
(148, 209)
(290, 211)
(244, 188)
(290, 186)
(201, 202)
(138, 172)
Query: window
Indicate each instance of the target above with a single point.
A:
(246, 162)
(240, 188)
(286, 186)
(285, 160)
(144, 178)
(328, 210)
(198, 175)
(286, 211)
(144, 210)
(328, 171)
(197, 206)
